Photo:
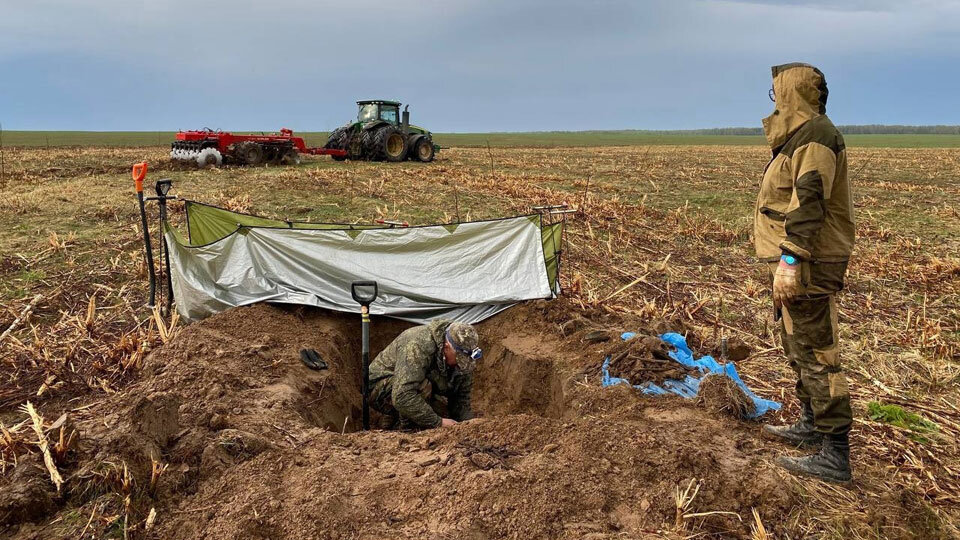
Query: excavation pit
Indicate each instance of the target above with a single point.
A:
(268, 448)
(252, 369)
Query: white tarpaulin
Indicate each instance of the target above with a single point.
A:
(467, 272)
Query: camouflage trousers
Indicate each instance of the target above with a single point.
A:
(809, 330)
(381, 400)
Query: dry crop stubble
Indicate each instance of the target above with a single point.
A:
(662, 234)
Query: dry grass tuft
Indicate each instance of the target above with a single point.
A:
(757, 530)
(15, 442)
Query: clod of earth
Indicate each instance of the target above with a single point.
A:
(644, 358)
(26, 494)
(597, 336)
(737, 350)
(720, 394)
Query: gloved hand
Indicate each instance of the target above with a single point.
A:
(786, 283)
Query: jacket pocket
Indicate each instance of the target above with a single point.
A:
(773, 214)
(771, 227)
(776, 189)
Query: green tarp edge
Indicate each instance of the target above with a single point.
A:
(207, 224)
(552, 236)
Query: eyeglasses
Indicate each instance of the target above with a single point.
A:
(772, 95)
(476, 353)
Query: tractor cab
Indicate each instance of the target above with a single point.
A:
(375, 110)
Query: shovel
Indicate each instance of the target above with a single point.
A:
(139, 173)
(364, 293)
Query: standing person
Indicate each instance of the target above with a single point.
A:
(804, 230)
(422, 364)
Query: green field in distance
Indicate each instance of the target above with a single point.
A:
(530, 139)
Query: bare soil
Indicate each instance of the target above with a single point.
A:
(258, 446)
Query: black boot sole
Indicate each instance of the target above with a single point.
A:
(801, 472)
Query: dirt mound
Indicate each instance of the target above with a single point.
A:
(514, 476)
(229, 435)
(644, 358)
(720, 394)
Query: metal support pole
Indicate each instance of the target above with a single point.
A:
(139, 173)
(162, 188)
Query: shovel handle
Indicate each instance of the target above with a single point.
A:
(360, 290)
(357, 291)
(139, 172)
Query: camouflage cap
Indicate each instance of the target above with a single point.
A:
(464, 339)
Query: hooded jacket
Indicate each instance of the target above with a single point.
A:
(416, 356)
(804, 207)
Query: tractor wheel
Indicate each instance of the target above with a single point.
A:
(337, 139)
(424, 150)
(209, 157)
(368, 144)
(355, 147)
(290, 157)
(250, 153)
(273, 153)
(388, 144)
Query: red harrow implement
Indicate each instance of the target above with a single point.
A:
(208, 147)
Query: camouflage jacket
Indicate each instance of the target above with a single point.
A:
(417, 356)
(804, 207)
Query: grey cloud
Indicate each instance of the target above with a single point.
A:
(849, 5)
(465, 66)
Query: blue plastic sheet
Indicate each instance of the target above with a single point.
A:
(688, 387)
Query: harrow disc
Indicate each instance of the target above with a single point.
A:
(179, 153)
(290, 157)
(209, 157)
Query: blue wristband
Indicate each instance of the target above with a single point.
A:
(789, 259)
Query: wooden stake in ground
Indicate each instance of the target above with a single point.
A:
(44, 445)
(456, 200)
(490, 153)
(583, 201)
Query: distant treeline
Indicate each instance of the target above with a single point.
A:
(870, 129)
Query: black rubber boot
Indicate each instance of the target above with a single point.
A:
(800, 433)
(831, 463)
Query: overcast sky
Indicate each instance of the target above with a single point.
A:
(467, 66)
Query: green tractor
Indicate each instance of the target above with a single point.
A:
(382, 133)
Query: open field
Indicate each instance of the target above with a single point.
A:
(661, 240)
(503, 140)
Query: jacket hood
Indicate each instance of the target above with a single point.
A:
(438, 329)
(801, 94)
